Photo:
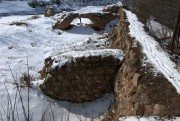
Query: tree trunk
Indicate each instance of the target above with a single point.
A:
(176, 33)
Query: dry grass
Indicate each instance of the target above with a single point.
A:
(26, 80)
(18, 23)
(35, 17)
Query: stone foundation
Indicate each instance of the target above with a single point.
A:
(80, 79)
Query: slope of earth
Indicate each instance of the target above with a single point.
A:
(142, 88)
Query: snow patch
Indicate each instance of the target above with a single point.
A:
(65, 57)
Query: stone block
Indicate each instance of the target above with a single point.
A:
(138, 109)
(129, 84)
(136, 79)
(135, 98)
(148, 111)
(144, 99)
(124, 69)
(130, 76)
(131, 90)
(141, 89)
(159, 110)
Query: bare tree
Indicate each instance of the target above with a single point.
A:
(175, 44)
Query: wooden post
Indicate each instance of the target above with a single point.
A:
(80, 21)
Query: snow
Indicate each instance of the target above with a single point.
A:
(14, 6)
(64, 58)
(158, 29)
(84, 21)
(34, 43)
(157, 57)
(18, 8)
(89, 9)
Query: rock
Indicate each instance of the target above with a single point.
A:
(135, 98)
(47, 59)
(131, 90)
(145, 99)
(124, 69)
(136, 106)
(132, 56)
(130, 76)
(136, 79)
(148, 110)
(141, 89)
(49, 12)
(159, 110)
(129, 69)
(138, 109)
(129, 84)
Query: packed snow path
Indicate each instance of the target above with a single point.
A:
(157, 57)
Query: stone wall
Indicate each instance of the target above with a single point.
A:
(80, 79)
(99, 19)
(138, 91)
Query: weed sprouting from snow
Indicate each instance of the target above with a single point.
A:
(26, 80)
(21, 23)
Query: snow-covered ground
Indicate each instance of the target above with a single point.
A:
(15, 6)
(36, 40)
(33, 42)
(22, 8)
